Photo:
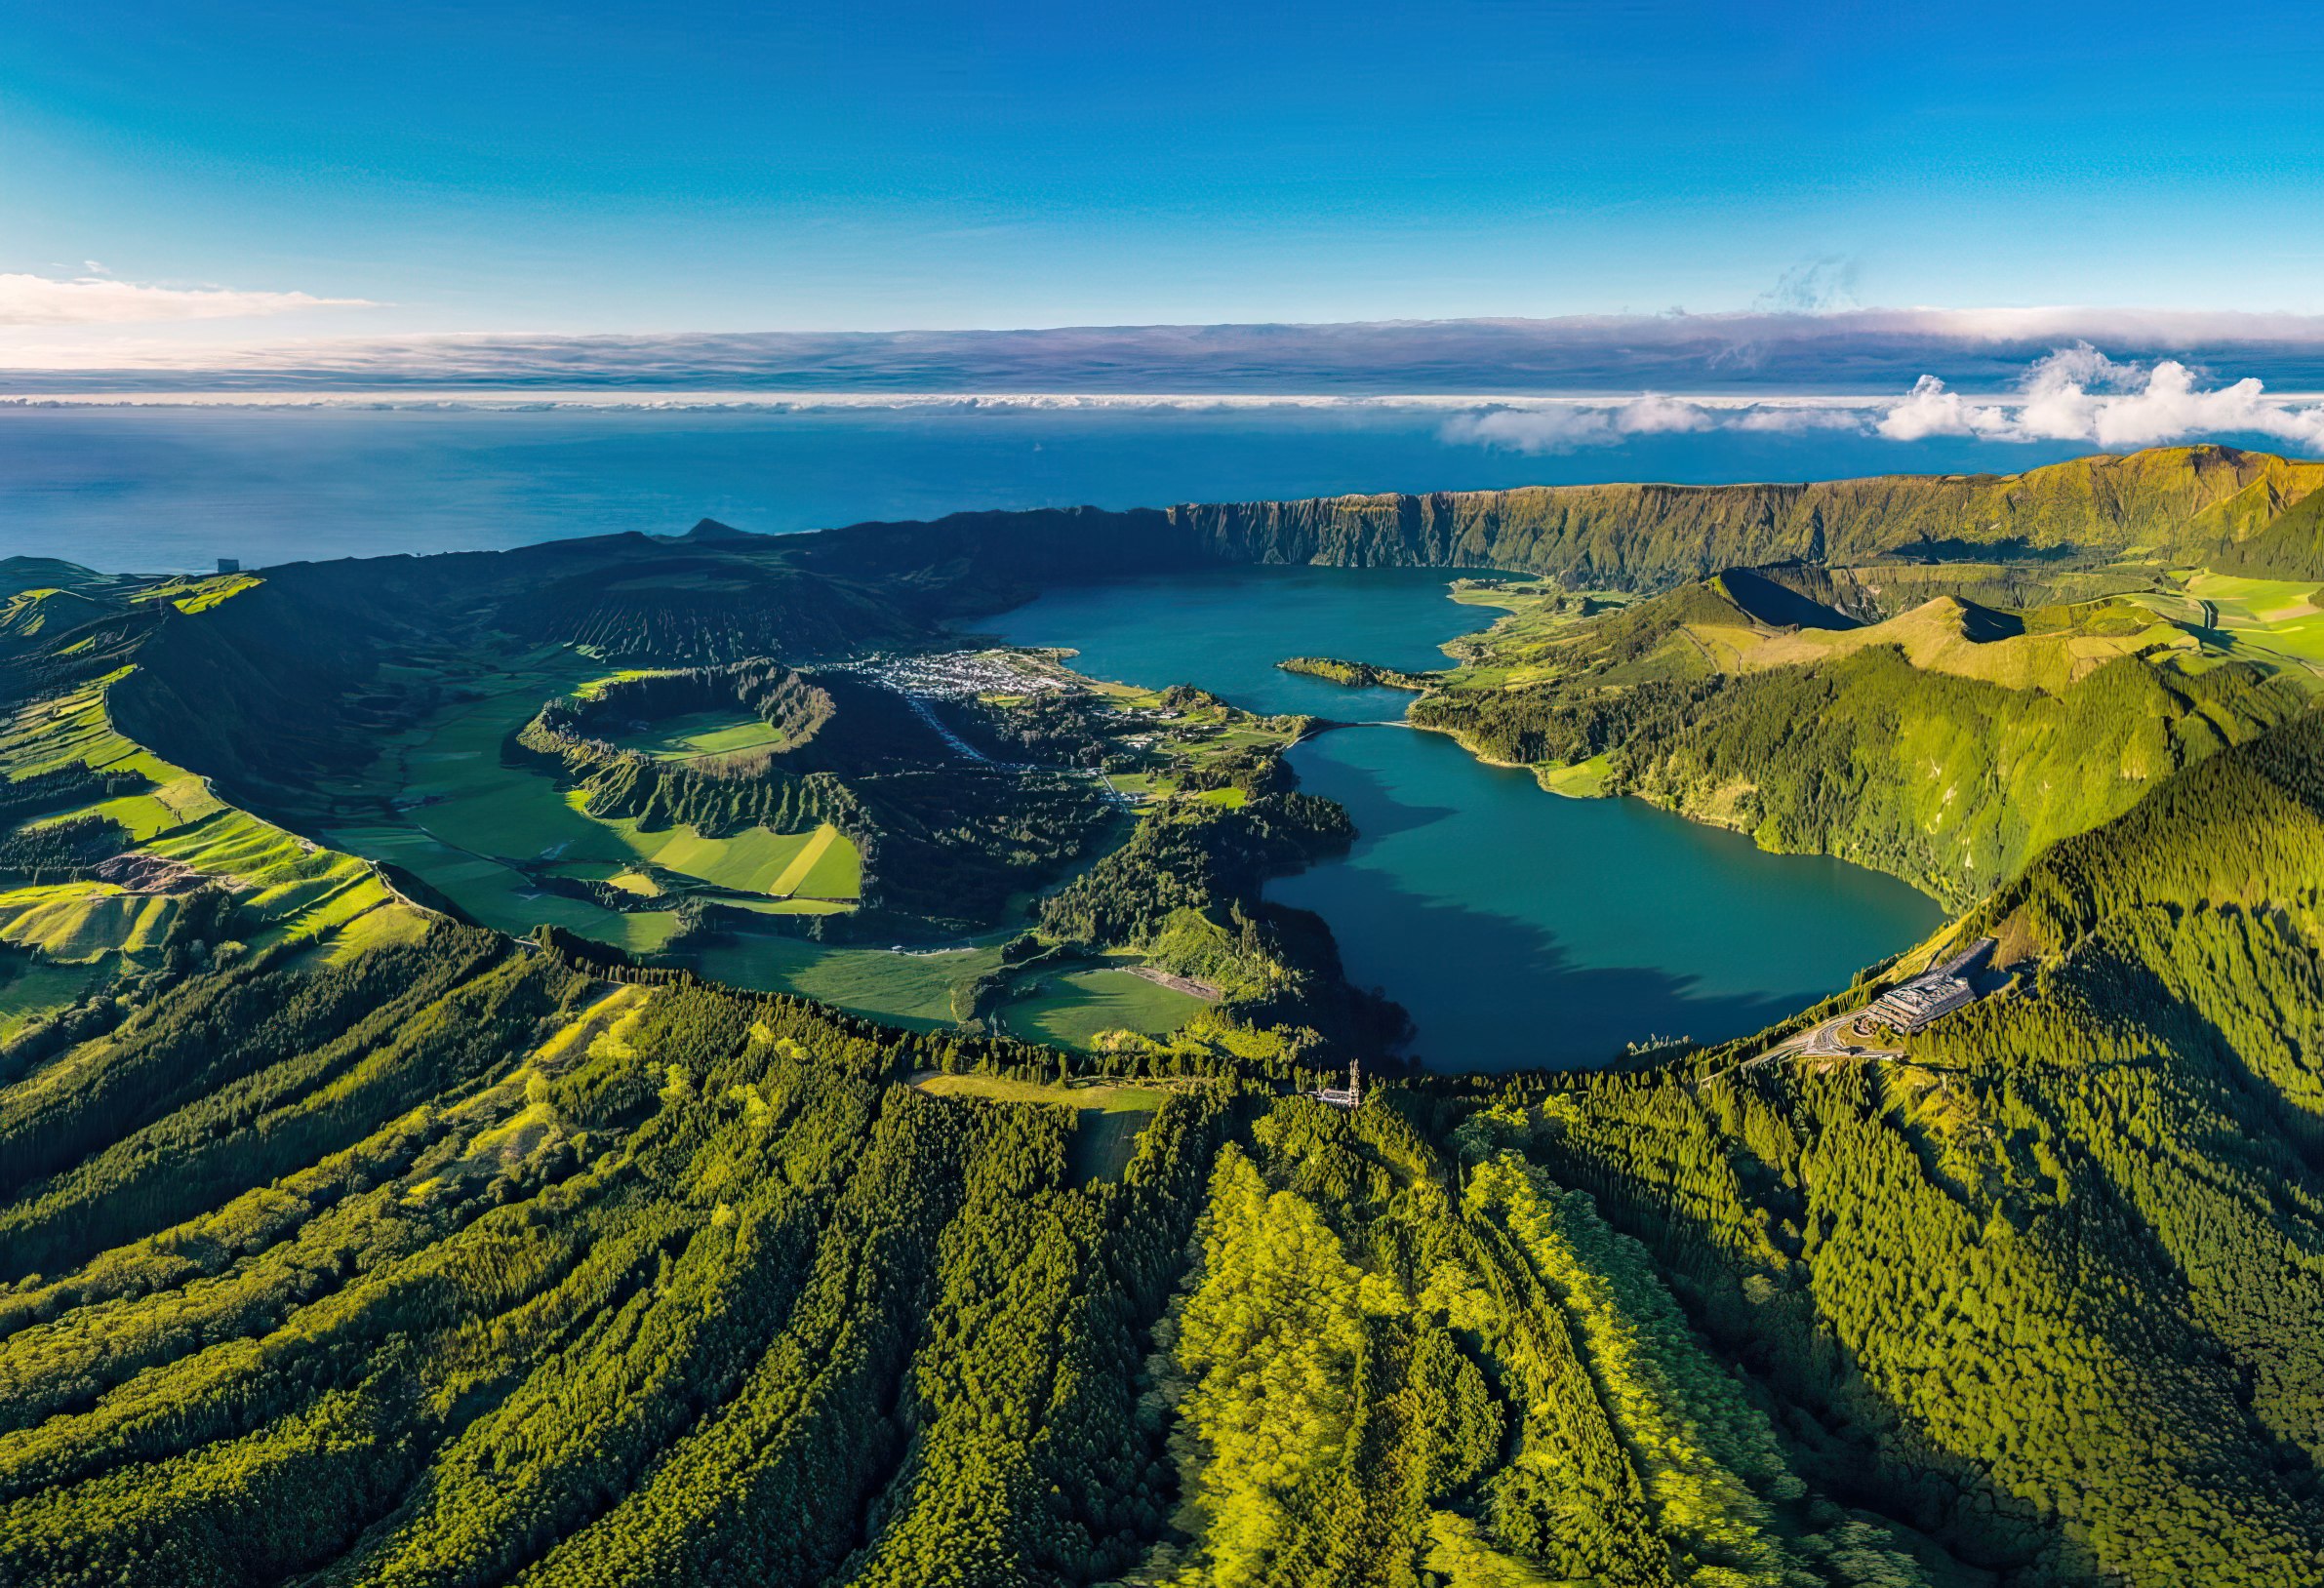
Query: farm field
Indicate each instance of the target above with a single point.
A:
(702, 733)
(498, 897)
(819, 865)
(2278, 618)
(909, 989)
(1073, 1009)
(30, 988)
(465, 822)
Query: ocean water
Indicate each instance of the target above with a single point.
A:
(1518, 928)
(155, 489)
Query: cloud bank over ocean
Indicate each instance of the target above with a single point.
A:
(2111, 378)
(1853, 351)
(2073, 393)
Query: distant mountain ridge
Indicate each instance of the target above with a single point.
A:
(719, 595)
(2209, 499)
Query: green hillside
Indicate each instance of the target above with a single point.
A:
(613, 1307)
(2201, 504)
(1948, 744)
(402, 1181)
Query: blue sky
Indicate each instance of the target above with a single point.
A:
(640, 168)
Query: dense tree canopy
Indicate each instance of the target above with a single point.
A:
(344, 1243)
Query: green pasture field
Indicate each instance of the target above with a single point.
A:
(702, 733)
(500, 898)
(81, 922)
(1582, 780)
(2267, 620)
(753, 862)
(30, 988)
(912, 990)
(468, 817)
(1073, 1009)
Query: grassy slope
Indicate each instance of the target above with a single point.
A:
(1078, 1008)
(293, 890)
(910, 990)
(1948, 744)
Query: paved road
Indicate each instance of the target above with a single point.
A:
(927, 714)
(1831, 1039)
(962, 747)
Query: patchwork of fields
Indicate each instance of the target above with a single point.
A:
(80, 933)
(2277, 620)
(455, 816)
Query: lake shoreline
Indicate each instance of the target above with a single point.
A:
(1601, 922)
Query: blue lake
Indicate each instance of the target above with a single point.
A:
(1518, 928)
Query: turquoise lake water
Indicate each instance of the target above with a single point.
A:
(1518, 928)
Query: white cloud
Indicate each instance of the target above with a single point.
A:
(1929, 410)
(1795, 418)
(97, 300)
(1562, 427)
(2074, 393)
(1560, 430)
(1654, 416)
(2078, 394)
(2135, 405)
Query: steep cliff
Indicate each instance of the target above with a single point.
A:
(2196, 502)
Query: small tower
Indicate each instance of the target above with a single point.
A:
(1355, 1084)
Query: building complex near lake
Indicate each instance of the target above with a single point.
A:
(1913, 1005)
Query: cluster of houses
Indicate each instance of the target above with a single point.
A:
(951, 675)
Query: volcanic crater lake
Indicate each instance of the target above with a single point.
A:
(1519, 927)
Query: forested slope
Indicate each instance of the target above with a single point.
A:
(2053, 1286)
(1948, 745)
(453, 1262)
(659, 1284)
(344, 1244)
